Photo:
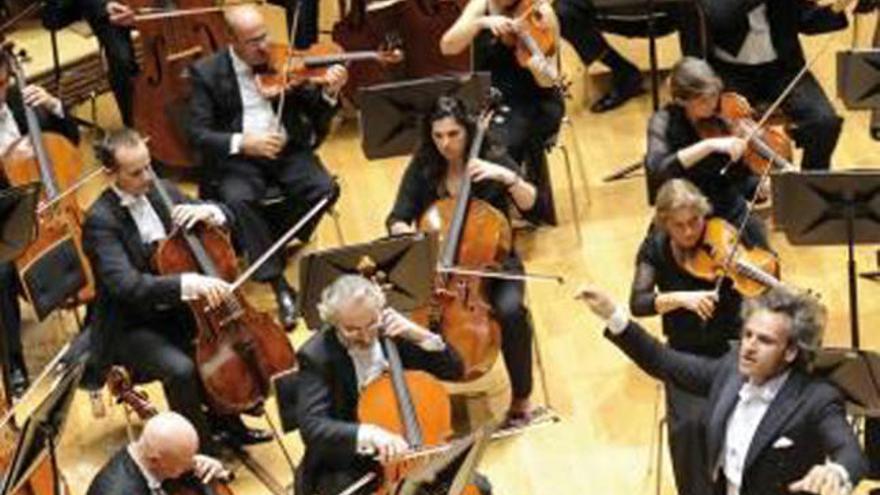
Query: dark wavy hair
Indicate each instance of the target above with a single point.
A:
(433, 163)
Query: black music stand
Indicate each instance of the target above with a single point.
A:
(463, 457)
(392, 113)
(405, 263)
(830, 208)
(858, 83)
(40, 432)
(855, 372)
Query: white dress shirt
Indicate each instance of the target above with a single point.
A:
(757, 48)
(9, 132)
(145, 217)
(754, 400)
(257, 113)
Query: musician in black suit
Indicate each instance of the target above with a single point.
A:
(754, 46)
(140, 317)
(770, 426)
(336, 363)
(166, 450)
(111, 21)
(53, 118)
(307, 26)
(245, 153)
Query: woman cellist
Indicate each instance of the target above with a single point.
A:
(435, 172)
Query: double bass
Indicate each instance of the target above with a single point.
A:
(238, 349)
(53, 268)
(170, 44)
(474, 236)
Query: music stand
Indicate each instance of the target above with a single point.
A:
(40, 432)
(463, 456)
(830, 208)
(405, 262)
(855, 372)
(392, 113)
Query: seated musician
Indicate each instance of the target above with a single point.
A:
(755, 48)
(535, 105)
(111, 21)
(52, 118)
(435, 172)
(166, 450)
(234, 127)
(141, 318)
(769, 424)
(677, 150)
(696, 320)
(339, 361)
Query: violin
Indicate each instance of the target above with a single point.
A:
(535, 38)
(474, 235)
(768, 147)
(170, 45)
(289, 67)
(752, 270)
(238, 349)
(120, 386)
(57, 164)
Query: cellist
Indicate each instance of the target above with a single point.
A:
(52, 117)
(140, 317)
(166, 449)
(434, 172)
(336, 363)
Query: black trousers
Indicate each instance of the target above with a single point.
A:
(507, 299)
(817, 125)
(10, 312)
(577, 22)
(244, 182)
(683, 421)
(307, 26)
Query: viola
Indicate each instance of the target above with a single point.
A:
(290, 67)
(720, 254)
(238, 349)
(170, 45)
(535, 38)
(56, 163)
(768, 147)
(120, 386)
(474, 236)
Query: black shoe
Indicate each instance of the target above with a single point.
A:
(18, 381)
(286, 299)
(628, 87)
(239, 437)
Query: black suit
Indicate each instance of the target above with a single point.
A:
(240, 181)
(115, 40)
(817, 124)
(807, 410)
(120, 475)
(139, 318)
(324, 403)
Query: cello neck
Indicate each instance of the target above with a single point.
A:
(412, 430)
(35, 133)
(456, 226)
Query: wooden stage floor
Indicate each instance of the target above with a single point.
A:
(609, 409)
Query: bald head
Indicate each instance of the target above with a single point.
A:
(249, 33)
(167, 445)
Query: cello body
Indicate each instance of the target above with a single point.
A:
(161, 87)
(238, 349)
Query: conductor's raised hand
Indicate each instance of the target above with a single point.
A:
(599, 302)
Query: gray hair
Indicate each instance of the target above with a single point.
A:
(806, 316)
(344, 291)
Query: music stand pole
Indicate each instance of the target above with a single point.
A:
(49, 431)
(853, 281)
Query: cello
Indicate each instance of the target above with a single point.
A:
(238, 349)
(53, 268)
(474, 236)
(119, 384)
(170, 44)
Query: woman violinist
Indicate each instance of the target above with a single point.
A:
(696, 319)
(528, 80)
(435, 172)
(676, 148)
